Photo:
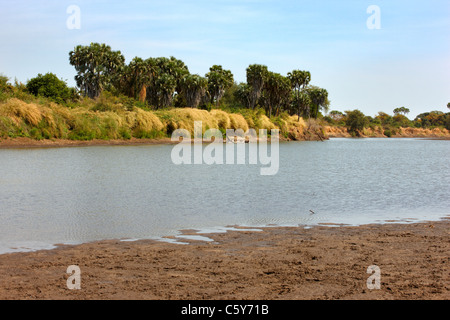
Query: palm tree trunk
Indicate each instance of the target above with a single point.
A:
(143, 94)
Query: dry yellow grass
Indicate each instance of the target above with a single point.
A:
(18, 111)
(265, 123)
(142, 120)
(237, 121)
(222, 118)
(103, 119)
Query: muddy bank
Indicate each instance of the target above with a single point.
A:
(22, 143)
(278, 263)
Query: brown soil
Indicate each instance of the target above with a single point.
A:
(279, 263)
(57, 143)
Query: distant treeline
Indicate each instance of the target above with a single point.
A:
(356, 121)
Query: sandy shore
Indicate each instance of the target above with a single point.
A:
(277, 263)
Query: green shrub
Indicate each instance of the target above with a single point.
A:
(356, 121)
(51, 87)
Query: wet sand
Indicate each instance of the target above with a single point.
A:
(297, 263)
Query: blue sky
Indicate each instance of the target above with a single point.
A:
(405, 63)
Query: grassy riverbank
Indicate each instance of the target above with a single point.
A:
(114, 118)
(27, 120)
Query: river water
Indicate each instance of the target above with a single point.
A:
(83, 194)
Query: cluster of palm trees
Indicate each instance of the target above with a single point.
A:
(164, 82)
(276, 93)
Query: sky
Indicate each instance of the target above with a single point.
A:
(404, 62)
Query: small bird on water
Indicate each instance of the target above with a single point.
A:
(312, 212)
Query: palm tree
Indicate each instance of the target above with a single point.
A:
(256, 75)
(242, 94)
(277, 89)
(166, 85)
(96, 66)
(193, 89)
(301, 103)
(142, 73)
(299, 81)
(319, 99)
(219, 80)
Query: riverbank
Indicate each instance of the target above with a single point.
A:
(322, 262)
(378, 132)
(25, 143)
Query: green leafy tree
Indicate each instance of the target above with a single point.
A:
(166, 85)
(193, 89)
(301, 103)
(168, 80)
(401, 111)
(49, 86)
(97, 66)
(336, 115)
(219, 80)
(299, 81)
(355, 122)
(319, 100)
(384, 118)
(277, 90)
(256, 76)
(141, 73)
(242, 95)
(431, 119)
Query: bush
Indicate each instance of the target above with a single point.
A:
(356, 121)
(51, 87)
(390, 131)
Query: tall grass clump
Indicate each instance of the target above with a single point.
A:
(144, 124)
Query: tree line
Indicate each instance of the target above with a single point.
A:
(164, 82)
(355, 121)
(158, 83)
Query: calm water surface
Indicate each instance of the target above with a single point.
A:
(75, 195)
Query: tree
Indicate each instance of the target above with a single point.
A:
(356, 121)
(141, 73)
(448, 105)
(193, 89)
(431, 119)
(49, 86)
(301, 103)
(166, 85)
(402, 110)
(4, 83)
(319, 100)
(219, 80)
(336, 115)
(276, 92)
(256, 76)
(384, 118)
(242, 94)
(96, 67)
(169, 74)
(299, 80)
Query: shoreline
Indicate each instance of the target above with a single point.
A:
(25, 143)
(290, 263)
(28, 143)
